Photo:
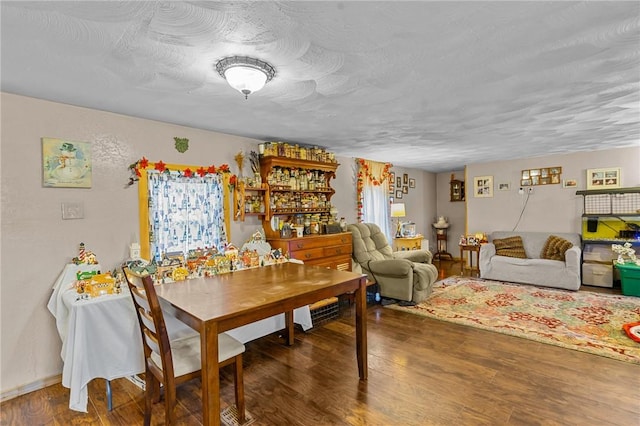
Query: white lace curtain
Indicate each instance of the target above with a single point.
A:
(185, 213)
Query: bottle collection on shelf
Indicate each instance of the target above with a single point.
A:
(297, 180)
(282, 149)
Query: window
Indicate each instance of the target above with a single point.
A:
(373, 197)
(181, 210)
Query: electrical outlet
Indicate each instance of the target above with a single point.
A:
(521, 191)
(72, 211)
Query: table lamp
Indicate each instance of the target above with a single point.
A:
(397, 211)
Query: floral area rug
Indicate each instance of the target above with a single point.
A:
(584, 321)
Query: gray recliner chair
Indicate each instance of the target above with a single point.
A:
(403, 275)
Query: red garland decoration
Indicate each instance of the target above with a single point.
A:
(143, 164)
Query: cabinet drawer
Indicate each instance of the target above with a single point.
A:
(341, 263)
(305, 243)
(337, 250)
(307, 255)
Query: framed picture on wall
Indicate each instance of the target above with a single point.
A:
(483, 186)
(399, 182)
(603, 178)
(66, 164)
(398, 193)
(412, 183)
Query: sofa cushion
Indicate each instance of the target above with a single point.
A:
(510, 247)
(555, 248)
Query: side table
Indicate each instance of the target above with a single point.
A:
(408, 243)
(441, 243)
(471, 248)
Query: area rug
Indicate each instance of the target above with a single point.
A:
(584, 321)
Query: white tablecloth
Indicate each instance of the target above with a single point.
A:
(101, 336)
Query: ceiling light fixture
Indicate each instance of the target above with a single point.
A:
(245, 74)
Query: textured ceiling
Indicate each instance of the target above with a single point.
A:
(429, 85)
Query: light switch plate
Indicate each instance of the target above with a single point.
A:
(72, 211)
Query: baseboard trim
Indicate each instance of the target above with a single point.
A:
(30, 387)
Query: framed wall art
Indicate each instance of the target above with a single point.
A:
(569, 183)
(483, 186)
(66, 164)
(399, 193)
(603, 178)
(412, 183)
(541, 176)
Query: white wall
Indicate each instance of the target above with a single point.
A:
(550, 207)
(37, 243)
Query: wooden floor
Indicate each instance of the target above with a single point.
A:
(421, 372)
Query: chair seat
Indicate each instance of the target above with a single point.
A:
(186, 353)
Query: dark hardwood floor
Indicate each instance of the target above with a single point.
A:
(421, 372)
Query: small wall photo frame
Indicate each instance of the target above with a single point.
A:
(399, 182)
(398, 193)
(504, 186)
(603, 178)
(405, 179)
(66, 164)
(483, 186)
(569, 183)
(412, 183)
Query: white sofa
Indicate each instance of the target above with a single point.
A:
(533, 270)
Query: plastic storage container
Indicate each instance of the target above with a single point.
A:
(630, 278)
(597, 274)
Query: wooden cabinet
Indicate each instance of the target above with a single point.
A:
(457, 189)
(298, 190)
(299, 193)
(329, 250)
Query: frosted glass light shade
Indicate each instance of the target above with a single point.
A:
(245, 80)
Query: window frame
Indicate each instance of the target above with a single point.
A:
(143, 203)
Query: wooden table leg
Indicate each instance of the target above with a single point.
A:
(210, 374)
(288, 323)
(361, 328)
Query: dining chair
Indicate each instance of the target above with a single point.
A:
(171, 363)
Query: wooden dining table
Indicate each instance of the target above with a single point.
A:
(216, 304)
